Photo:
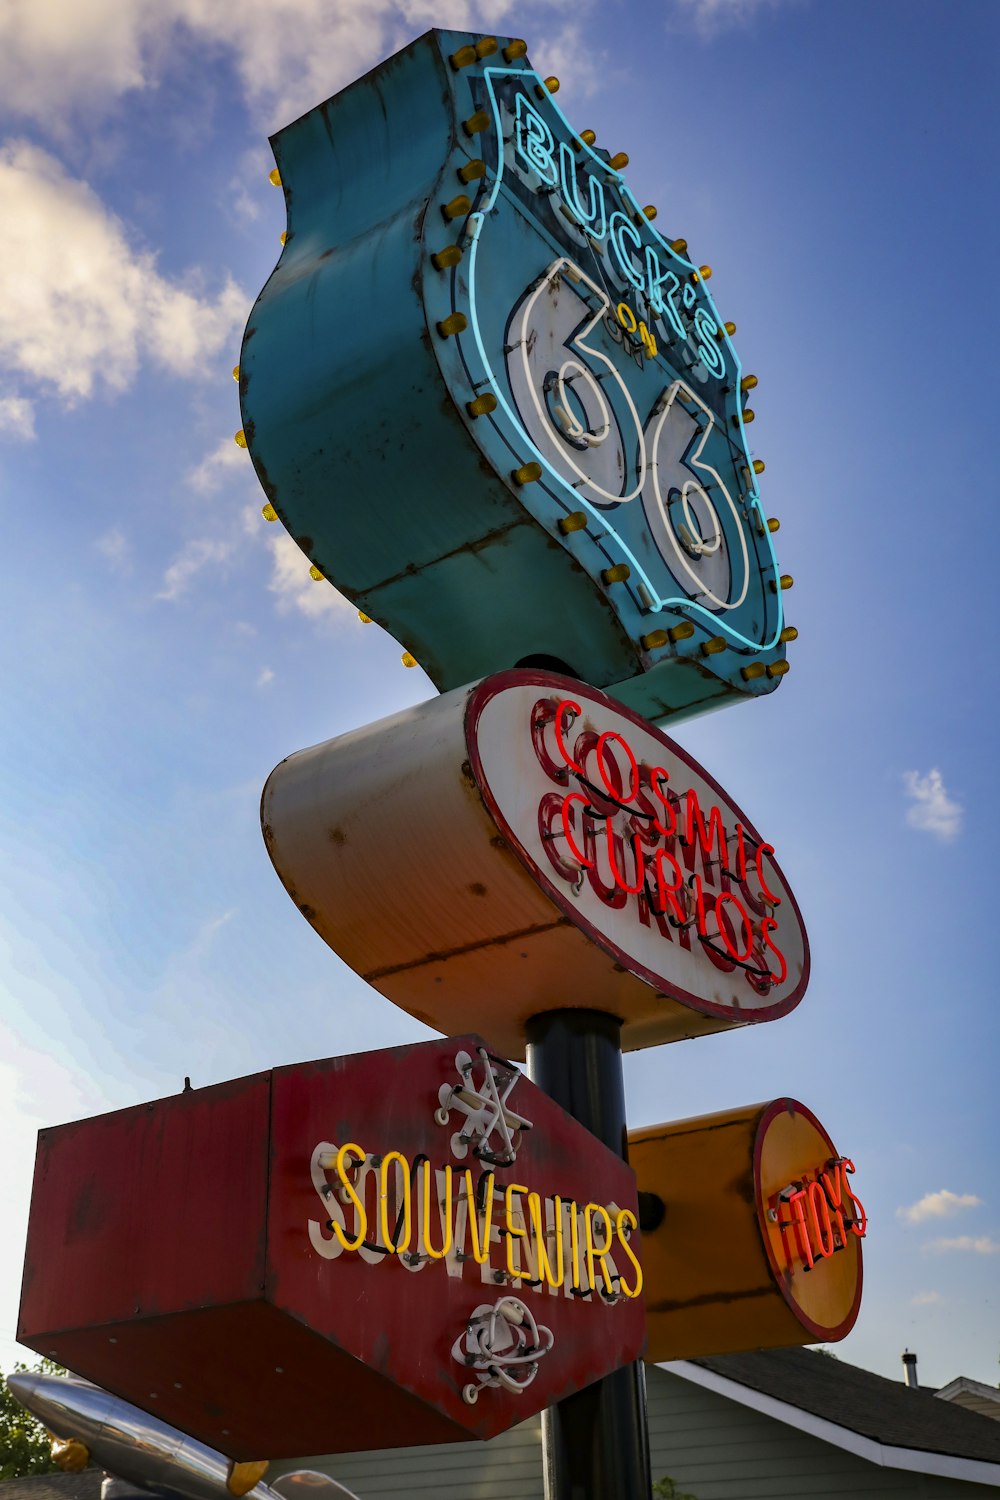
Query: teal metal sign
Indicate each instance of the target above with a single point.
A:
(494, 406)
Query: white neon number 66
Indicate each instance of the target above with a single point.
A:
(566, 413)
(574, 427)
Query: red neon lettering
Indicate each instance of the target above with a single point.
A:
(741, 855)
(549, 810)
(746, 951)
(770, 895)
(616, 790)
(574, 847)
(654, 774)
(667, 894)
(567, 706)
(613, 895)
(820, 1215)
(833, 1187)
(801, 1228)
(718, 959)
(707, 837)
(768, 926)
(859, 1219)
(542, 714)
(640, 863)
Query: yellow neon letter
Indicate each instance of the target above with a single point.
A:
(359, 1207)
(446, 1246)
(383, 1201)
(545, 1263)
(592, 1251)
(480, 1248)
(626, 1217)
(626, 317)
(574, 1240)
(511, 1231)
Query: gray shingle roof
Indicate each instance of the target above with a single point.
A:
(884, 1410)
(55, 1486)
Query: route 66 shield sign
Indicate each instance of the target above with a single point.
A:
(496, 407)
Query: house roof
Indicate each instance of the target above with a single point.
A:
(885, 1411)
(55, 1486)
(974, 1396)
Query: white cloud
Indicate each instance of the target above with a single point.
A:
(226, 457)
(980, 1244)
(931, 809)
(57, 60)
(709, 17)
(266, 677)
(195, 555)
(297, 589)
(941, 1205)
(926, 1299)
(81, 51)
(114, 547)
(74, 319)
(17, 418)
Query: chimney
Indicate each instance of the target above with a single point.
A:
(910, 1369)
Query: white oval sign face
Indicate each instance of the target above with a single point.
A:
(638, 845)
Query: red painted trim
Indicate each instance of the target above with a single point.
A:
(551, 682)
(772, 1111)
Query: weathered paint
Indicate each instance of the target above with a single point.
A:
(427, 851)
(179, 1255)
(356, 403)
(719, 1277)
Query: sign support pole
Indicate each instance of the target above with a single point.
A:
(595, 1443)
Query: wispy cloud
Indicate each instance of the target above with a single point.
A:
(709, 17)
(926, 1299)
(116, 550)
(266, 677)
(226, 458)
(195, 555)
(941, 1205)
(980, 1244)
(70, 324)
(288, 54)
(931, 810)
(17, 418)
(297, 589)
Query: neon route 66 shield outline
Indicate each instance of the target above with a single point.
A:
(581, 491)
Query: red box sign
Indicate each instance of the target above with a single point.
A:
(408, 1246)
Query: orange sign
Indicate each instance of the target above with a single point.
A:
(760, 1240)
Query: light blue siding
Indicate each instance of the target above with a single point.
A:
(714, 1448)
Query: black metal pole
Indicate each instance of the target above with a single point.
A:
(595, 1443)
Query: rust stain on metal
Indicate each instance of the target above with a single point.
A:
(478, 544)
(436, 958)
(709, 1299)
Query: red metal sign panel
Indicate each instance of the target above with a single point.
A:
(408, 1246)
(535, 839)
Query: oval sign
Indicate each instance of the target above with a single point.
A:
(811, 1220)
(526, 844)
(638, 845)
(760, 1246)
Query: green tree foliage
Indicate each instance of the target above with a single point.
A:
(24, 1442)
(666, 1489)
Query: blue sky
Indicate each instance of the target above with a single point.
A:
(164, 648)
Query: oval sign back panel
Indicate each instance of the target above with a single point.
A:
(529, 842)
(761, 1245)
